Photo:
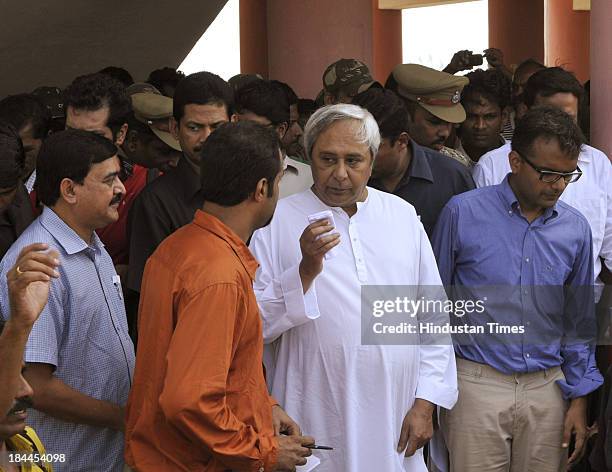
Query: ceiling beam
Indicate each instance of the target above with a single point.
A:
(582, 5)
(401, 4)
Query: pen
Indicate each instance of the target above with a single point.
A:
(314, 446)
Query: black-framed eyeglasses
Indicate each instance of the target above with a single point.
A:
(550, 176)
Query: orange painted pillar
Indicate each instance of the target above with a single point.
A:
(253, 37)
(601, 71)
(517, 28)
(386, 41)
(568, 37)
(304, 37)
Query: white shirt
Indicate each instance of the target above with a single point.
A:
(31, 181)
(591, 194)
(296, 178)
(350, 396)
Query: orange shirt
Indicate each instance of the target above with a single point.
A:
(199, 400)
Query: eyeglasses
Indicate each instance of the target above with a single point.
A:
(550, 176)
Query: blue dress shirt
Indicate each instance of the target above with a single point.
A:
(538, 276)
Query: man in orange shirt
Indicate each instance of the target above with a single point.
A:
(199, 400)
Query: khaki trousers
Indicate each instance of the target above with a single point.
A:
(505, 423)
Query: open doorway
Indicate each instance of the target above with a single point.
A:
(431, 35)
(218, 50)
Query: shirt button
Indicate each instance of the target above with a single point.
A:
(525, 292)
(261, 469)
(526, 259)
(509, 212)
(527, 355)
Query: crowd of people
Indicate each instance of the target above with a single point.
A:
(187, 264)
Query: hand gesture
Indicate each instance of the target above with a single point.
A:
(494, 57)
(314, 243)
(459, 62)
(29, 281)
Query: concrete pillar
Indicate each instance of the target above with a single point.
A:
(305, 37)
(567, 37)
(517, 28)
(386, 40)
(253, 37)
(601, 71)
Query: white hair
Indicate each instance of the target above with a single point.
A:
(324, 117)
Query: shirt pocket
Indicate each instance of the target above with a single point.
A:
(553, 273)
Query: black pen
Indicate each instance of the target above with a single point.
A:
(324, 448)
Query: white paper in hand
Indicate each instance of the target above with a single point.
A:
(325, 215)
(311, 463)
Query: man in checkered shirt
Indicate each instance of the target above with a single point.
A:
(79, 356)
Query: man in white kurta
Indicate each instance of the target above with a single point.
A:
(349, 396)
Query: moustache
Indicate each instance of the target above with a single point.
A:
(21, 404)
(116, 199)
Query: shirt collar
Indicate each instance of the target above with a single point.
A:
(419, 165)
(18, 443)
(360, 205)
(70, 241)
(502, 142)
(512, 204)
(210, 223)
(31, 181)
(288, 166)
(585, 154)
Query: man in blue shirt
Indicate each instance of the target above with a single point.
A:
(527, 257)
(79, 355)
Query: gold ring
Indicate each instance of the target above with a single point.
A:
(18, 270)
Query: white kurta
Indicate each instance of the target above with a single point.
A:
(347, 395)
